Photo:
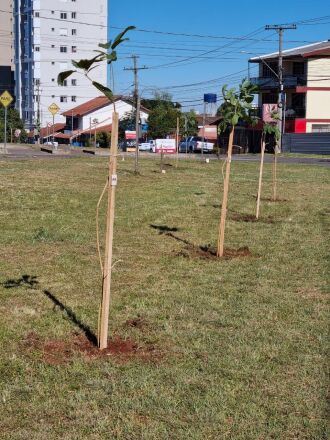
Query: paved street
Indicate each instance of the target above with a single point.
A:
(27, 152)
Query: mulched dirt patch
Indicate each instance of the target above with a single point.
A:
(249, 218)
(209, 253)
(59, 352)
(269, 199)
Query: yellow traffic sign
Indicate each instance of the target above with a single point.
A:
(6, 99)
(54, 108)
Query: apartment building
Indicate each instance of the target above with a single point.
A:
(6, 47)
(48, 35)
(306, 86)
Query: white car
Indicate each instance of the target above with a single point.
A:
(53, 144)
(147, 146)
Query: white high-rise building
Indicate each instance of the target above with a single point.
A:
(48, 35)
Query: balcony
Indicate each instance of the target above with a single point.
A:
(291, 113)
(289, 81)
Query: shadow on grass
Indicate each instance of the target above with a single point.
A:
(25, 281)
(31, 282)
(72, 317)
(165, 230)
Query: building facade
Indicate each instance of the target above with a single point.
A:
(48, 35)
(6, 47)
(306, 75)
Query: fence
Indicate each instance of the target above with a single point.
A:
(308, 143)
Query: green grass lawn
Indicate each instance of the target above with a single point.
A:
(223, 349)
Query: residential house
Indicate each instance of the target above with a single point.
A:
(306, 77)
(94, 116)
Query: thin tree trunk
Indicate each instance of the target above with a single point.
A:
(222, 225)
(112, 183)
(263, 145)
(274, 192)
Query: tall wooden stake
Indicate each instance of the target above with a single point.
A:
(222, 225)
(263, 146)
(107, 269)
(274, 195)
(177, 141)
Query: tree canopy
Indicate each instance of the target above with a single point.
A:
(14, 122)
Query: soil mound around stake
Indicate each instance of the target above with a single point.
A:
(209, 253)
(59, 352)
(249, 218)
(270, 199)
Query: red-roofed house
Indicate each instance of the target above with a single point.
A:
(97, 114)
(91, 117)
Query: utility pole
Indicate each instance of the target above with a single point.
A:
(280, 30)
(137, 100)
(38, 125)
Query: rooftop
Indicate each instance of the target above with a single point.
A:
(316, 49)
(97, 104)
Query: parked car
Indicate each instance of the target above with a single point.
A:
(195, 144)
(53, 144)
(147, 146)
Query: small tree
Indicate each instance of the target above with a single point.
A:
(269, 129)
(237, 106)
(84, 67)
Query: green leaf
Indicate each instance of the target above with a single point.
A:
(105, 90)
(86, 64)
(63, 76)
(234, 120)
(105, 45)
(111, 57)
(119, 38)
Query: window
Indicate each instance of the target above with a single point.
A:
(73, 31)
(269, 98)
(53, 29)
(37, 48)
(63, 15)
(320, 128)
(73, 98)
(64, 99)
(298, 68)
(53, 79)
(37, 14)
(63, 49)
(65, 83)
(53, 63)
(269, 69)
(53, 45)
(73, 15)
(73, 82)
(74, 49)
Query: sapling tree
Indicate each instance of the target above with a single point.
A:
(268, 129)
(236, 107)
(85, 67)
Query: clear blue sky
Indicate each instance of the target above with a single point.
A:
(206, 18)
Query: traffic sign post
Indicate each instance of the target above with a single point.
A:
(6, 99)
(54, 109)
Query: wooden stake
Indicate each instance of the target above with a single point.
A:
(263, 146)
(222, 225)
(274, 177)
(112, 183)
(177, 141)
